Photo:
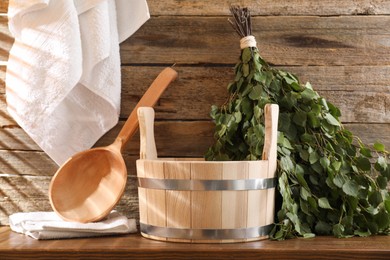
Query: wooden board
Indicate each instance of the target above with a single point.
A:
(6, 40)
(361, 92)
(265, 7)
(270, 7)
(290, 40)
(4, 6)
(16, 246)
(3, 69)
(197, 88)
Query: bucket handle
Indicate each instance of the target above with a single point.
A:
(148, 146)
(146, 126)
(271, 113)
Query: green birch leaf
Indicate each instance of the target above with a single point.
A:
(275, 86)
(295, 220)
(245, 69)
(300, 118)
(353, 202)
(323, 228)
(246, 89)
(313, 203)
(362, 233)
(307, 138)
(325, 162)
(363, 163)
(308, 85)
(238, 73)
(317, 167)
(291, 132)
(373, 227)
(238, 116)
(379, 147)
(301, 180)
(347, 222)
(324, 103)
(328, 129)
(246, 55)
(231, 87)
(255, 93)
(351, 188)
(375, 198)
(292, 81)
(295, 86)
(381, 164)
(329, 182)
(304, 155)
(289, 80)
(316, 108)
(313, 119)
(309, 235)
(336, 165)
(256, 63)
(239, 84)
(305, 194)
(314, 179)
(299, 169)
(387, 205)
(366, 152)
(283, 183)
(331, 120)
(313, 157)
(304, 207)
(338, 230)
(339, 180)
(324, 203)
(334, 110)
(260, 77)
(286, 143)
(246, 108)
(386, 173)
(258, 112)
(382, 182)
(308, 95)
(268, 78)
(286, 164)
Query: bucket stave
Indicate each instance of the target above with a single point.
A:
(197, 201)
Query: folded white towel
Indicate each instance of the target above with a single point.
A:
(48, 225)
(63, 79)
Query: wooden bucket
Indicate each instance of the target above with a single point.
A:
(197, 201)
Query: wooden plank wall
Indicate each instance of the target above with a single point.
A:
(341, 47)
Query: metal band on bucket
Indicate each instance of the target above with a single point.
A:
(198, 234)
(207, 185)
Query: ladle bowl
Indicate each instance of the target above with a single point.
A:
(89, 184)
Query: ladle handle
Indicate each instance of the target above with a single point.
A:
(149, 99)
(147, 147)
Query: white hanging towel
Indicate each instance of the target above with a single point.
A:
(63, 79)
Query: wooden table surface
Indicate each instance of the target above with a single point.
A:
(17, 246)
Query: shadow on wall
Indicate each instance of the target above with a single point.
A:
(22, 194)
(24, 175)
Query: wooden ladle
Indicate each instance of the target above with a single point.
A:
(89, 185)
